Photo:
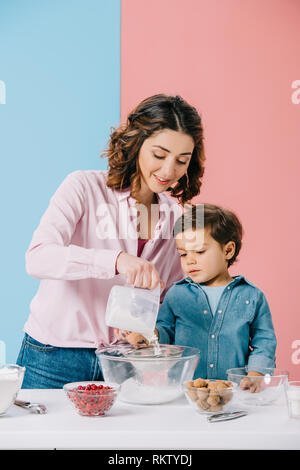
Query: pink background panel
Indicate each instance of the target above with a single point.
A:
(236, 62)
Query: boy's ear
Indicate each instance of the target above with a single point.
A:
(229, 249)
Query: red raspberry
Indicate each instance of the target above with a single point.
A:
(92, 399)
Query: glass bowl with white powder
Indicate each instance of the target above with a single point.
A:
(149, 375)
(11, 378)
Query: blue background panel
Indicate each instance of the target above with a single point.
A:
(60, 63)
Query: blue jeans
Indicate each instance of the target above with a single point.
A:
(51, 366)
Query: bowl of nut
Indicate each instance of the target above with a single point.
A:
(209, 396)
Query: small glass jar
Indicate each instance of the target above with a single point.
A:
(292, 393)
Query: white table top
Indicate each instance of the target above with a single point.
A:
(173, 425)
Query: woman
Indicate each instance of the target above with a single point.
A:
(109, 227)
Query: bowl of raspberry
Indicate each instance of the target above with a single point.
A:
(92, 398)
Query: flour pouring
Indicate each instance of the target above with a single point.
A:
(134, 309)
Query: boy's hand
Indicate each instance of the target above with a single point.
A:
(253, 385)
(136, 339)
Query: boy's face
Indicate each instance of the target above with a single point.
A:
(203, 259)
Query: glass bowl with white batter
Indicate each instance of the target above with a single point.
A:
(150, 375)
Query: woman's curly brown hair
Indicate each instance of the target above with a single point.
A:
(152, 115)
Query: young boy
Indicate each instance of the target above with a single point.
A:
(226, 317)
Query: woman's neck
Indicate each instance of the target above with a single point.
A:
(147, 219)
(146, 197)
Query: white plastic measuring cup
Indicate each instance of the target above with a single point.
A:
(133, 309)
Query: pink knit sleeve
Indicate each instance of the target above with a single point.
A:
(51, 255)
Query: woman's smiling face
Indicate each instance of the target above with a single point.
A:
(164, 158)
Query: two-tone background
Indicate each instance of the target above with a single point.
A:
(71, 69)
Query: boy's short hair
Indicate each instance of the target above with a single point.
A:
(224, 225)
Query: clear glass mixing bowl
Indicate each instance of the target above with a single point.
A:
(258, 390)
(149, 375)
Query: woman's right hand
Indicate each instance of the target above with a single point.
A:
(138, 271)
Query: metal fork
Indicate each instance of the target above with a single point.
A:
(34, 407)
(226, 416)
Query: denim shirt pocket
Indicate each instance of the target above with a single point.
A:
(244, 307)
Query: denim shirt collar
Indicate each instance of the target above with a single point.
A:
(236, 280)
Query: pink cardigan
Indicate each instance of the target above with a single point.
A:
(73, 252)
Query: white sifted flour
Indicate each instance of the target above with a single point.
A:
(134, 392)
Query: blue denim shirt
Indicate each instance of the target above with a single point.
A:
(240, 333)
